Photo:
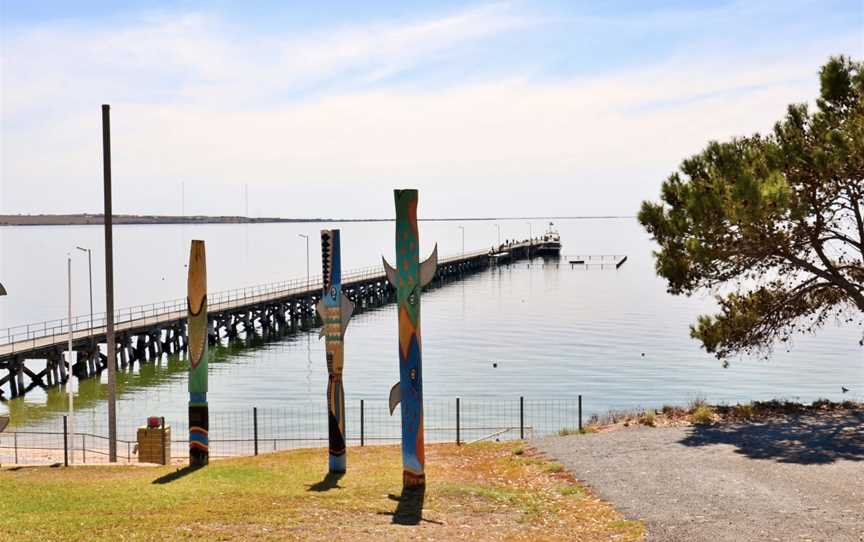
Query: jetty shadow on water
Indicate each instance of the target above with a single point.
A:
(331, 481)
(807, 439)
(177, 474)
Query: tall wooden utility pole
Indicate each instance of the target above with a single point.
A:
(109, 286)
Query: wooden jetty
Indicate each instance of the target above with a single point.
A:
(32, 355)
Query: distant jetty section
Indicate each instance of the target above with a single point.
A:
(96, 219)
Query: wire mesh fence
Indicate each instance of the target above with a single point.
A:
(303, 425)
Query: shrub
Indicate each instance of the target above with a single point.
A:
(696, 403)
(648, 418)
(702, 414)
(744, 411)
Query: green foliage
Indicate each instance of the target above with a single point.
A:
(771, 224)
(553, 467)
(702, 415)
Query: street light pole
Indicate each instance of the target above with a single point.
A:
(69, 357)
(90, 274)
(463, 239)
(499, 233)
(307, 258)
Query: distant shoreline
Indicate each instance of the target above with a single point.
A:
(94, 219)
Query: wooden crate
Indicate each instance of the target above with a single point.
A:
(150, 443)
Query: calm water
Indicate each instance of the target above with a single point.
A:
(614, 336)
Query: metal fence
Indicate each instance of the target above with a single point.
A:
(253, 431)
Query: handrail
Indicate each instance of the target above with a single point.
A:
(129, 316)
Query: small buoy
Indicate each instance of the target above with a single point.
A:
(495, 365)
(643, 354)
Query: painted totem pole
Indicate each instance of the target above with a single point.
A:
(335, 309)
(199, 449)
(409, 278)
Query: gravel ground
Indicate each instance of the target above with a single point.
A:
(794, 478)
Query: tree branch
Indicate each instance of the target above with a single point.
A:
(859, 222)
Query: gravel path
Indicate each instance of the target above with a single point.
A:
(795, 478)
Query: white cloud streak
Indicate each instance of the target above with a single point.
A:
(193, 101)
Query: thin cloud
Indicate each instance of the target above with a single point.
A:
(196, 98)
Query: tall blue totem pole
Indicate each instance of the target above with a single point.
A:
(335, 309)
(409, 277)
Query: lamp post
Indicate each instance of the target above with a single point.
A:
(463, 239)
(308, 336)
(307, 257)
(90, 274)
(69, 357)
(530, 232)
(499, 233)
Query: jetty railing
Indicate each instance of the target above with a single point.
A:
(261, 430)
(139, 315)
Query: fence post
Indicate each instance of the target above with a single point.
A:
(580, 413)
(83, 449)
(65, 444)
(162, 438)
(16, 446)
(457, 423)
(362, 426)
(521, 418)
(255, 427)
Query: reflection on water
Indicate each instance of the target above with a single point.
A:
(542, 331)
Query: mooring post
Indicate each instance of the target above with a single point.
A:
(65, 445)
(580, 412)
(457, 423)
(521, 418)
(255, 427)
(362, 425)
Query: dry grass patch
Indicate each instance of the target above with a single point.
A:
(477, 492)
(699, 412)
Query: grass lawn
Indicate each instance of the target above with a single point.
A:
(480, 492)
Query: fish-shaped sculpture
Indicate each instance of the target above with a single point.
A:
(199, 418)
(408, 278)
(335, 309)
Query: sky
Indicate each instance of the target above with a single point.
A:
(322, 108)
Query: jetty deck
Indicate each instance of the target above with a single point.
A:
(33, 355)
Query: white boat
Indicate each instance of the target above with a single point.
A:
(550, 243)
